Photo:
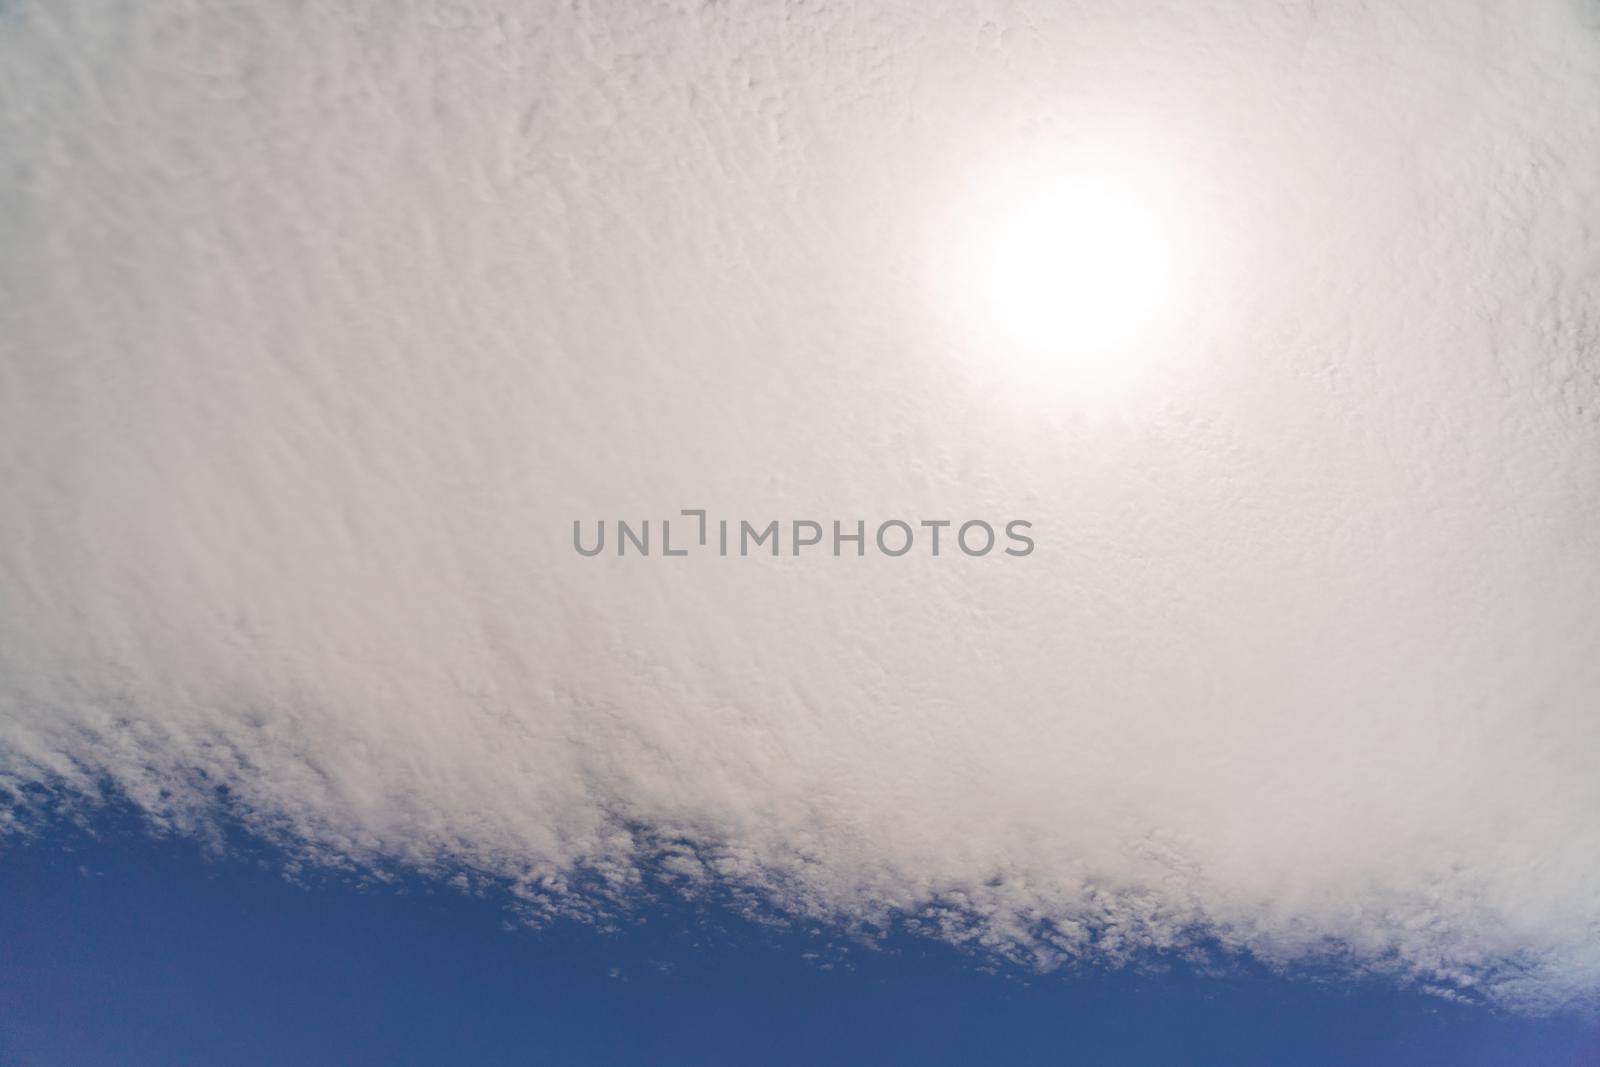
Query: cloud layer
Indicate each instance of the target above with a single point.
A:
(323, 322)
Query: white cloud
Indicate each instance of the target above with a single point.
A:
(321, 325)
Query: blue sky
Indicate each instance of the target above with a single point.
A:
(127, 949)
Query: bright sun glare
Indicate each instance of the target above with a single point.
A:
(1069, 277)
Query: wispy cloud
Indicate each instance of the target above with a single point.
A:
(323, 323)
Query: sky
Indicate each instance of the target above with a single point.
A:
(1277, 323)
(122, 949)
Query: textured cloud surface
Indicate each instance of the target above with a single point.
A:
(322, 322)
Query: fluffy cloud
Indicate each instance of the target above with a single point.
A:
(323, 322)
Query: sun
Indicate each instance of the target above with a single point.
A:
(1068, 275)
